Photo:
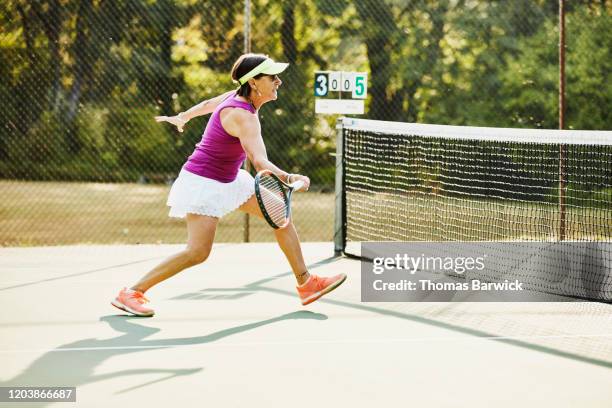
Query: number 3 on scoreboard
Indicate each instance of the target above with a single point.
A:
(321, 84)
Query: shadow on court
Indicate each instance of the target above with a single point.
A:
(75, 363)
(257, 286)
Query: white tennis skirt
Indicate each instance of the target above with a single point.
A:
(195, 194)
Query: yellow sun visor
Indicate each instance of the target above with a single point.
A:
(268, 67)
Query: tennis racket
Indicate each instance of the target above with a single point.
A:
(274, 198)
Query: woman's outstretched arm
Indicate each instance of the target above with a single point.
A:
(202, 108)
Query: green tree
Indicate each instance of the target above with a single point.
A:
(530, 85)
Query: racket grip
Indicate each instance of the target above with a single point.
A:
(297, 185)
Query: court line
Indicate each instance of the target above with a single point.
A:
(106, 268)
(467, 339)
(72, 275)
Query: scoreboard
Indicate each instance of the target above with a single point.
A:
(335, 84)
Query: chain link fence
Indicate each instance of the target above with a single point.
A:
(83, 161)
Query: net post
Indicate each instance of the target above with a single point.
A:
(562, 147)
(339, 234)
(247, 26)
(246, 221)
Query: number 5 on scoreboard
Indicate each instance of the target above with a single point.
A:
(360, 88)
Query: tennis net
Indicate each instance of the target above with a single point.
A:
(416, 182)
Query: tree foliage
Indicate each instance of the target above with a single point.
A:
(83, 78)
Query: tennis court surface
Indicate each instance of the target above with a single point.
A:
(232, 333)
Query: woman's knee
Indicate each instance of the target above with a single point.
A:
(197, 255)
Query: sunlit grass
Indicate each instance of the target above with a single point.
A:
(54, 213)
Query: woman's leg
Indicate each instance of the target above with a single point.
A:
(200, 236)
(287, 239)
(311, 287)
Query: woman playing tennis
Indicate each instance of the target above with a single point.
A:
(211, 183)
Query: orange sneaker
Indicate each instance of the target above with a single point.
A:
(132, 301)
(317, 286)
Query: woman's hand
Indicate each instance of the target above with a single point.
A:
(299, 177)
(175, 120)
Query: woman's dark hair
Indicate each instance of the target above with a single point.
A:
(243, 65)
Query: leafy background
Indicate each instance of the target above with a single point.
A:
(82, 79)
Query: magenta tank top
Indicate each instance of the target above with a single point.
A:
(219, 155)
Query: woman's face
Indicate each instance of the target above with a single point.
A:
(268, 86)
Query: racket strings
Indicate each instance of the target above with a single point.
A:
(274, 201)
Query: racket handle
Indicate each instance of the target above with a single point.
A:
(297, 185)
